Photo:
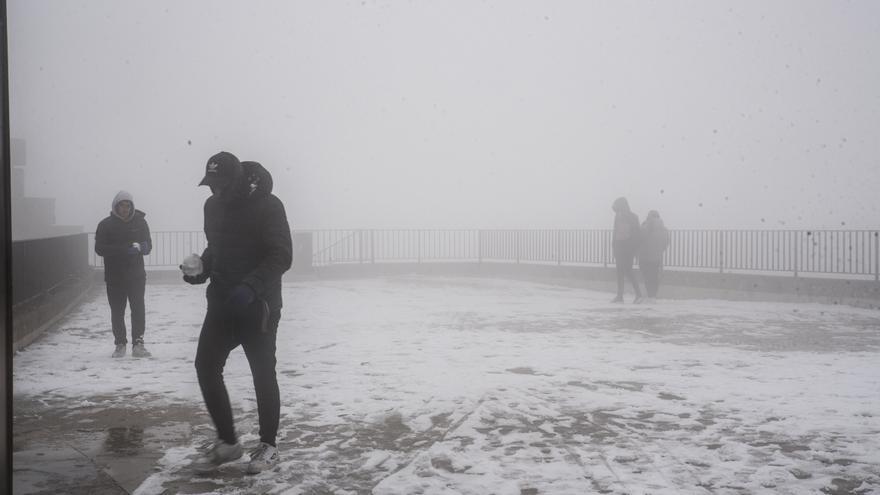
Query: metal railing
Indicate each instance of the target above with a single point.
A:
(835, 252)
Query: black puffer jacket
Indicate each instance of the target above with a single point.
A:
(114, 237)
(248, 238)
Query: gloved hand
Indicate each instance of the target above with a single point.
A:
(195, 279)
(240, 298)
(135, 248)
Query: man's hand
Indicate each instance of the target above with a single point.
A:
(240, 298)
(135, 248)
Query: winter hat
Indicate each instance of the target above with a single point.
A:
(221, 169)
(123, 196)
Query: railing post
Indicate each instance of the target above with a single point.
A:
(876, 256)
(558, 247)
(372, 247)
(479, 246)
(796, 249)
(331, 242)
(721, 251)
(516, 244)
(361, 246)
(419, 246)
(606, 239)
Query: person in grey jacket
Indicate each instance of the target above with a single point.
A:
(655, 239)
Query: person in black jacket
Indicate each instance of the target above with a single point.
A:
(249, 248)
(625, 244)
(123, 239)
(655, 239)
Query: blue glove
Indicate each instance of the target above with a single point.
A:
(240, 298)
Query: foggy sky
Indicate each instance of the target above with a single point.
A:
(457, 114)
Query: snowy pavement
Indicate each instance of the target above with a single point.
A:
(423, 385)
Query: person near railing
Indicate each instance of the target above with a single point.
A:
(654, 240)
(123, 239)
(624, 245)
(249, 248)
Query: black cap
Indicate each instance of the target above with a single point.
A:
(222, 168)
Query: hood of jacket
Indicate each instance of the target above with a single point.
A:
(620, 205)
(120, 197)
(256, 181)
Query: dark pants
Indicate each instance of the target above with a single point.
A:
(131, 291)
(623, 258)
(651, 272)
(223, 332)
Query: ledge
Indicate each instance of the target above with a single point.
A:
(675, 284)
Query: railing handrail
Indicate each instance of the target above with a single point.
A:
(787, 250)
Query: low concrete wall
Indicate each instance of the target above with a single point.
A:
(39, 313)
(675, 284)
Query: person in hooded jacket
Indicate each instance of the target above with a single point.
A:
(123, 239)
(249, 248)
(624, 245)
(655, 239)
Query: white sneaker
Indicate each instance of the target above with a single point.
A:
(220, 453)
(262, 458)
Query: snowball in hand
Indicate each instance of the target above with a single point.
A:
(192, 265)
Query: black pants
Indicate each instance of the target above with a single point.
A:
(221, 333)
(623, 258)
(651, 272)
(119, 292)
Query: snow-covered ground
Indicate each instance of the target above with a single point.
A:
(411, 385)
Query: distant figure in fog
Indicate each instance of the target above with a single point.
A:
(249, 248)
(123, 239)
(654, 240)
(625, 244)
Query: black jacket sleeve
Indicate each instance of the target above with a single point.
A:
(103, 246)
(275, 236)
(207, 259)
(146, 241)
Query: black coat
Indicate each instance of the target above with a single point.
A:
(626, 235)
(114, 237)
(248, 239)
(655, 239)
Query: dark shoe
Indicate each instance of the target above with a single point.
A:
(638, 300)
(219, 453)
(618, 299)
(120, 351)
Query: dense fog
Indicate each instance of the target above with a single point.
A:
(458, 114)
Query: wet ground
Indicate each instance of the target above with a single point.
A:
(432, 385)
